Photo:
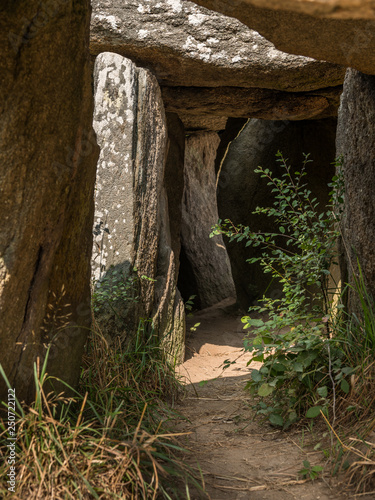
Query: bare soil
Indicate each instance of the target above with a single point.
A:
(240, 458)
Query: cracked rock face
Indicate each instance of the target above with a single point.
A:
(339, 31)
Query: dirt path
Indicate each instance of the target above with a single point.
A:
(240, 458)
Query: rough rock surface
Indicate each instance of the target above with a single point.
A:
(330, 9)
(48, 155)
(187, 45)
(131, 205)
(174, 179)
(232, 130)
(339, 31)
(205, 269)
(251, 103)
(170, 316)
(207, 122)
(257, 145)
(356, 142)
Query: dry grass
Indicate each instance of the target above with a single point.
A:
(356, 417)
(361, 473)
(356, 411)
(110, 441)
(59, 460)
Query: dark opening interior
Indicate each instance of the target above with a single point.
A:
(187, 284)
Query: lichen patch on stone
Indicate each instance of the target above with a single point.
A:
(111, 20)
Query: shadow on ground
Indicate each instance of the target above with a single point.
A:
(239, 457)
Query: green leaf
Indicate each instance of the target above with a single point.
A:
(265, 390)
(274, 381)
(256, 376)
(282, 229)
(144, 277)
(259, 358)
(276, 419)
(279, 367)
(317, 468)
(298, 367)
(347, 370)
(227, 363)
(292, 417)
(345, 386)
(322, 391)
(253, 322)
(267, 340)
(313, 412)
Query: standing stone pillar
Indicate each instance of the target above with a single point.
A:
(205, 258)
(356, 143)
(48, 156)
(132, 229)
(170, 314)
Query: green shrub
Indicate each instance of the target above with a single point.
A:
(303, 364)
(114, 292)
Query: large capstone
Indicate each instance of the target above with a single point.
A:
(211, 66)
(339, 31)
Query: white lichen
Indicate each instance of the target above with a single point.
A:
(196, 19)
(176, 5)
(142, 34)
(197, 49)
(111, 20)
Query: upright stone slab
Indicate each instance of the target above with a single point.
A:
(132, 233)
(205, 270)
(48, 158)
(170, 314)
(356, 143)
(115, 113)
(241, 190)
